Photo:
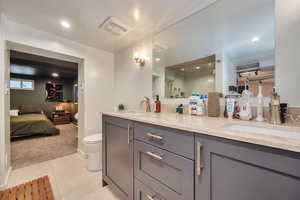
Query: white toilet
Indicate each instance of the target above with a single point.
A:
(93, 146)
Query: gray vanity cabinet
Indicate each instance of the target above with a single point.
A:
(227, 170)
(117, 156)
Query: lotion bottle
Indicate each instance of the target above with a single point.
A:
(260, 105)
(245, 108)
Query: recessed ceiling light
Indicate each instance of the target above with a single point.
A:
(55, 74)
(255, 39)
(157, 59)
(65, 24)
(182, 69)
(198, 67)
(136, 14)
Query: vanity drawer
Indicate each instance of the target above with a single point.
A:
(159, 168)
(142, 192)
(176, 141)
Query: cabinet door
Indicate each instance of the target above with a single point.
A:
(118, 155)
(227, 170)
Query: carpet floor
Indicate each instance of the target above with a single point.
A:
(31, 150)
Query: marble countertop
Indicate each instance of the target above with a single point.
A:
(217, 127)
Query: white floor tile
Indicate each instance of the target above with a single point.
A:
(69, 179)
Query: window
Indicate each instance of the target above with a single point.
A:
(22, 84)
(15, 84)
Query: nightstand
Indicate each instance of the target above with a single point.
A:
(61, 117)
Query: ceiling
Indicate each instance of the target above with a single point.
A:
(33, 65)
(85, 16)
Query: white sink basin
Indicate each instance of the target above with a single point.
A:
(264, 131)
(134, 113)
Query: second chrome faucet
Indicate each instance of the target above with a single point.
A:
(146, 101)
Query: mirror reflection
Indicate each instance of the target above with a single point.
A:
(232, 40)
(184, 79)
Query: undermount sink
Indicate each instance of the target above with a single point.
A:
(134, 113)
(264, 131)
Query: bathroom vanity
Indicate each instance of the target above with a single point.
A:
(149, 156)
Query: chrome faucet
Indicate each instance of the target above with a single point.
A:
(147, 102)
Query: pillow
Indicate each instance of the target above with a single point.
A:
(14, 113)
(30, 109)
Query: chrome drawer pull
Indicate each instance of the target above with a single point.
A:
(128, 134)
(199, 164)
(157, 137)
(153, 155)
(149, 197)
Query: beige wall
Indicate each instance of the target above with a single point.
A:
(132, 82)
(287, 69)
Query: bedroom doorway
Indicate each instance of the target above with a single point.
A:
(44, 107)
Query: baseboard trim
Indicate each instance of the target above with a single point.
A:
(82, 153)
(3, 186)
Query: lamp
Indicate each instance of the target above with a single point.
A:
(139, 59)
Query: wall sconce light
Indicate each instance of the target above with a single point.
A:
(139, 59)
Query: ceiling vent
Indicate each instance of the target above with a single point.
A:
(115, 26)
(248, 67)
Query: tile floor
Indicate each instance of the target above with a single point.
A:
(69, 179)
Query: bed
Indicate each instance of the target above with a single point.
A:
(31, 123)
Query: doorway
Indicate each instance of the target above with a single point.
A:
(63, 105)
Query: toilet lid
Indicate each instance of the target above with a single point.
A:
(91, 139)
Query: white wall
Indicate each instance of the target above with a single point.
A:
(2, 107)
(287, 68)
(133, 82)
(229, 74)
(98, 69)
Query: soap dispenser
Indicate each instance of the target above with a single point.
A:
(157, 104)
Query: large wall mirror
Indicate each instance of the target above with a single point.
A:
(231, 42)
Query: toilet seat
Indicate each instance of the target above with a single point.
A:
(93, 139)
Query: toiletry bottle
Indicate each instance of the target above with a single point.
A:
(157, 104)
(230, 107)
(179, 109)
(260, 105)
(206, 103)
(193, 100)
(274, 108)
(201, 106)
(246, 110)
(231, 103)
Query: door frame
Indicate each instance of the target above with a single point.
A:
(50, 54)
